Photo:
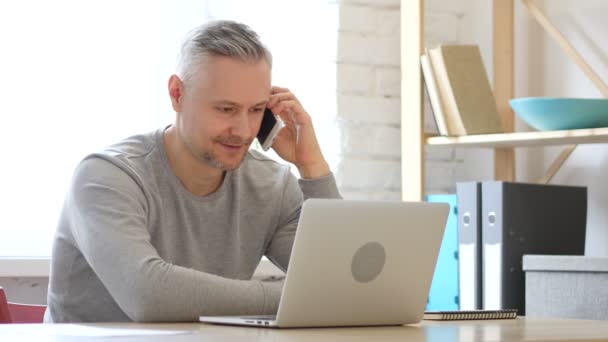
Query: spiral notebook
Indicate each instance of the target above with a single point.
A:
(470, 314)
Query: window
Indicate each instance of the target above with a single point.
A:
(79, 75)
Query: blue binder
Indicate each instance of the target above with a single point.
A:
(444, 288)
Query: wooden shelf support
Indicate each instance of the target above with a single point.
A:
(412, 115)
(557, 164)
(504, 84)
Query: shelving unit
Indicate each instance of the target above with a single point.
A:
(523, 139)
(414, 140)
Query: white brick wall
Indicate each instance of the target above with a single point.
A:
(355, 78)
(368, 85)
(361, 48)
(389, 21)
(368, 140)
(357, 19)
(368, 108)
(388, 82)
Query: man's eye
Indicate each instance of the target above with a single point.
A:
(257, 110)
(226, 109)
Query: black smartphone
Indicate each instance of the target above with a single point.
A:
(269, 129)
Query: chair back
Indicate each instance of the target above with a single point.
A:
(19, 313)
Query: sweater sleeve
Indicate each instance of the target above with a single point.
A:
(296, 192)
(108, 214)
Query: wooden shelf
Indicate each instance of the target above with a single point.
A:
(522, 139)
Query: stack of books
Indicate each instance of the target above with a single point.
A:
(459, 91)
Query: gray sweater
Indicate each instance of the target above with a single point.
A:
(133, 244)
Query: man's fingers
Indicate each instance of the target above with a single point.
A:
(286, 109)
(276, 90)
(276, 98)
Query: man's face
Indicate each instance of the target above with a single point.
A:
(221, 110)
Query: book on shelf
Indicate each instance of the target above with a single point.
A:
(433, 95)
(459, 91)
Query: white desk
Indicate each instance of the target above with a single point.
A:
(520, 329)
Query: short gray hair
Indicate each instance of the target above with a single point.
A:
(220, 38)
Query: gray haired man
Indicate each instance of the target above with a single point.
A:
(170, 225)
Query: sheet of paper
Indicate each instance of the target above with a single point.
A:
(82, 330)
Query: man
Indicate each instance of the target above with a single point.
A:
(172, 224)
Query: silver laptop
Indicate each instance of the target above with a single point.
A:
(357, 263)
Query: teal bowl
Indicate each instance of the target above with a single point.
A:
(550, 114)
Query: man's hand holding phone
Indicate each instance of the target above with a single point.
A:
(296, 142)
(269, 129)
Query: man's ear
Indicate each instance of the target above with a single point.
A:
(176, 92)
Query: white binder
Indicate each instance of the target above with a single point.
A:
(469, 245)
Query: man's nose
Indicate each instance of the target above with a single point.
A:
(241, 125)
